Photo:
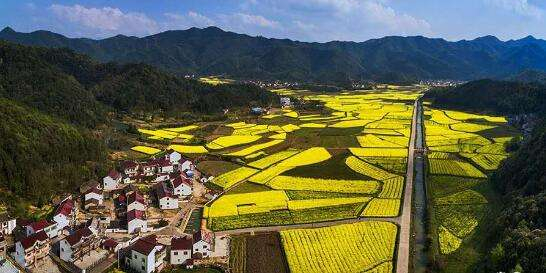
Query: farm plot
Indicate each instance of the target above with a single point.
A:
(462, 156)
(359, 247)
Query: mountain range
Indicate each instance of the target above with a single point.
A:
(212, 51)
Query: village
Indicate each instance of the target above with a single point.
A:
(143, 216)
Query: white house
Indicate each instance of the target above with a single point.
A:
(186, 165)
(182, 186)
(111, 181)
(31, 249)
(64, 214)
(181, 250)
(164, 165)
(203, 243)
(50, 229)
(136, 221)
(165, 198)
(7, 224)
(146, 255)
(174, 157)
(93, 197)
(135, 201)
(75, 246)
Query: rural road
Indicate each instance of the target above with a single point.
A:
(402, 261)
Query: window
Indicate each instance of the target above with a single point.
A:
(175, 253)
(62, 249)
(142, 268)
(204, 246)
(142, 259)
(185, 252)
(134, 256)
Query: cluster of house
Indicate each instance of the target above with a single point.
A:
(144, 254)
(152, 170)
(147, 255)
(170, 174)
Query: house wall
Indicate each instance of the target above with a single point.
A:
(136, 206)
(183, 190)
(62, 222)
(19, 254)
(203, 248)
(175, 157)
(95, 196)
(180, 256)
(8, 226)
(166, 169)
(135, 224)
(66, 251)
(168, 203)
(108, 183)
(142, 263)
(186, 165)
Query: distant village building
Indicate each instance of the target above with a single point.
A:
(146, 255)
(164, 165)
(136, 221)
(135, 201)
(181, 250)
(186, 165)
(182, 186)
(31, 249)
(64, 214)
(149, 168)
(285, 102)
(93, 198)
(165, 197)
(7, 267)
(111, 181)
(203, 242)
(75, 246)
(174, 157)
(130, 169)
(7, 224)
(50, 229)
(257, 110)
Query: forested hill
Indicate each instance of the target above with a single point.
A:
(55, 105)
(76, 88)
(519, 236)
(498, 97)
(212, 51)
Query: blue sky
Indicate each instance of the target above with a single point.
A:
(304, 20)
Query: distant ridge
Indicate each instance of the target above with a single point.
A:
(214, 51)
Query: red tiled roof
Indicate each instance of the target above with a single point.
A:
(135, 214)
(109, 244)
(146, 245)
(65, 208)
(77, 236)
(114, 174)
(181, 179)
(203, 235)
(135, 197)
(40, 225)
(29, 241)
(181, 243)
(163, 162)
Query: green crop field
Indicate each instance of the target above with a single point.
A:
(463, 151)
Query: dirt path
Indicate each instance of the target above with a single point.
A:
(309, 225)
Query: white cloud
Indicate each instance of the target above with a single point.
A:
(107, 20)
(253, 20)
(190, 19)
(521, 7)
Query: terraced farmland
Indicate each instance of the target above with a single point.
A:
(296, 167)
(464, 149)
